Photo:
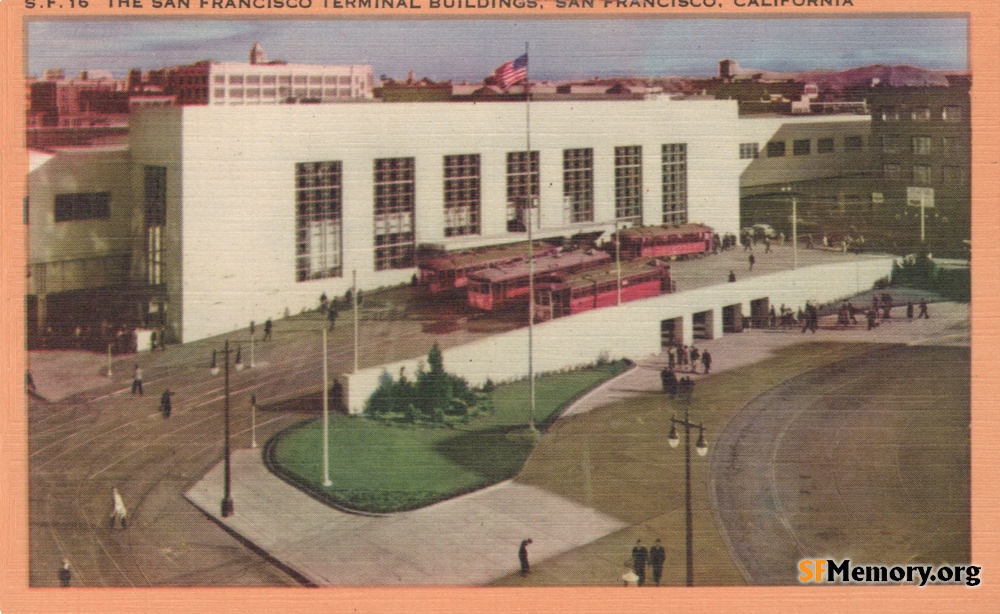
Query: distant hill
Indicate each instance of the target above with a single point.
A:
(862, 76)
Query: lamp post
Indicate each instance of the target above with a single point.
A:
(227, 499)
(795, 227)
(702, 449)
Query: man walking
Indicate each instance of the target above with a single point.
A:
(65, 575)
(657, 555)
(522, 556)
(752, 260)
(639, 556)
(923, 310)
(267, 329)
(137, 381)
(119, 513)
(165, 403)
(706, 360)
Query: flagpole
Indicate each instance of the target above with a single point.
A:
(531, 247)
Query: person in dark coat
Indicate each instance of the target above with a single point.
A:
(752, 260)
(909, 310)
(639, 556)
(65, 575)
(267, 329)
(732, 276)
(923, 310)
(706, 360)
(657, 556)
(331, 316)
(522, 556)
(669, 381)
(695, 355)
(165, 403)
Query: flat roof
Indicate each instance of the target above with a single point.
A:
(543, 265)
(484, 255)
(609, 273)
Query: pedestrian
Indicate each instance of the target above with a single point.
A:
(639, 556)
(682, 355)
(252, 328)
(909, 310)
(671, 361)
(669, 381)
(752, 260)
(850, 312)
(267, 329)
(522, 556)
(923, 310)
(119, 512)
(732, 276)
(152, 341)
(331, 316)
(137, 381)
(767, 245)
(872, 315)
(657, 556)
(65, 575)
(706, 360)
(695, 355)
(165, 403)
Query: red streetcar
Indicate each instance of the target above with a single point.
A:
(451, 270)
(498, 285)
(565, 294)
(664, 241)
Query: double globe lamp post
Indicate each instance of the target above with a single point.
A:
(673, 439)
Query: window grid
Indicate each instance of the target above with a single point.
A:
(749, 151)
(921, 145)
(775, 149)
(155, 209)
(921, 174)
(318, 220)
(628, 184)
(675, 183)
(83, 206)
(395, 197)
(522, 187)
(801, 147)
(461, 195)
(578, 185)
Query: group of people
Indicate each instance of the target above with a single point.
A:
(682, 358)
(674, 387)
(655, 557)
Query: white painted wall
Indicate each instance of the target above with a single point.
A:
(235, 193)
(630, 330)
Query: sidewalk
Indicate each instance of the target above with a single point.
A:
(473, 539)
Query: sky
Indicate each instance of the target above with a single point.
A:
(469, 50)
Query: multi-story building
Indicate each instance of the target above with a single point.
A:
(922, 179)
(261, 82)
(228, 214)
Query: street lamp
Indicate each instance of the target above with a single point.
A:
(227, 499)
(702, 449)
(795, 227)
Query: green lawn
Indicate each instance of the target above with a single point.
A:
(385, 467)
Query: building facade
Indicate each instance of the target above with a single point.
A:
(236, 214)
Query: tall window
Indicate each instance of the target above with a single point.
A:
(318, 220)
(522, 188)
(461, 195)
(921, 174)
(921, 145)
(395, 188)
(83, 206)
(155, 209)
(628, 183)
(578, 185)
(675, 183)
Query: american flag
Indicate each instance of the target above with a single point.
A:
(512, 72)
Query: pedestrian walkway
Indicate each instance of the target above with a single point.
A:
(473, 539)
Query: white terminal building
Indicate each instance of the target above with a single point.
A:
(217, 215)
